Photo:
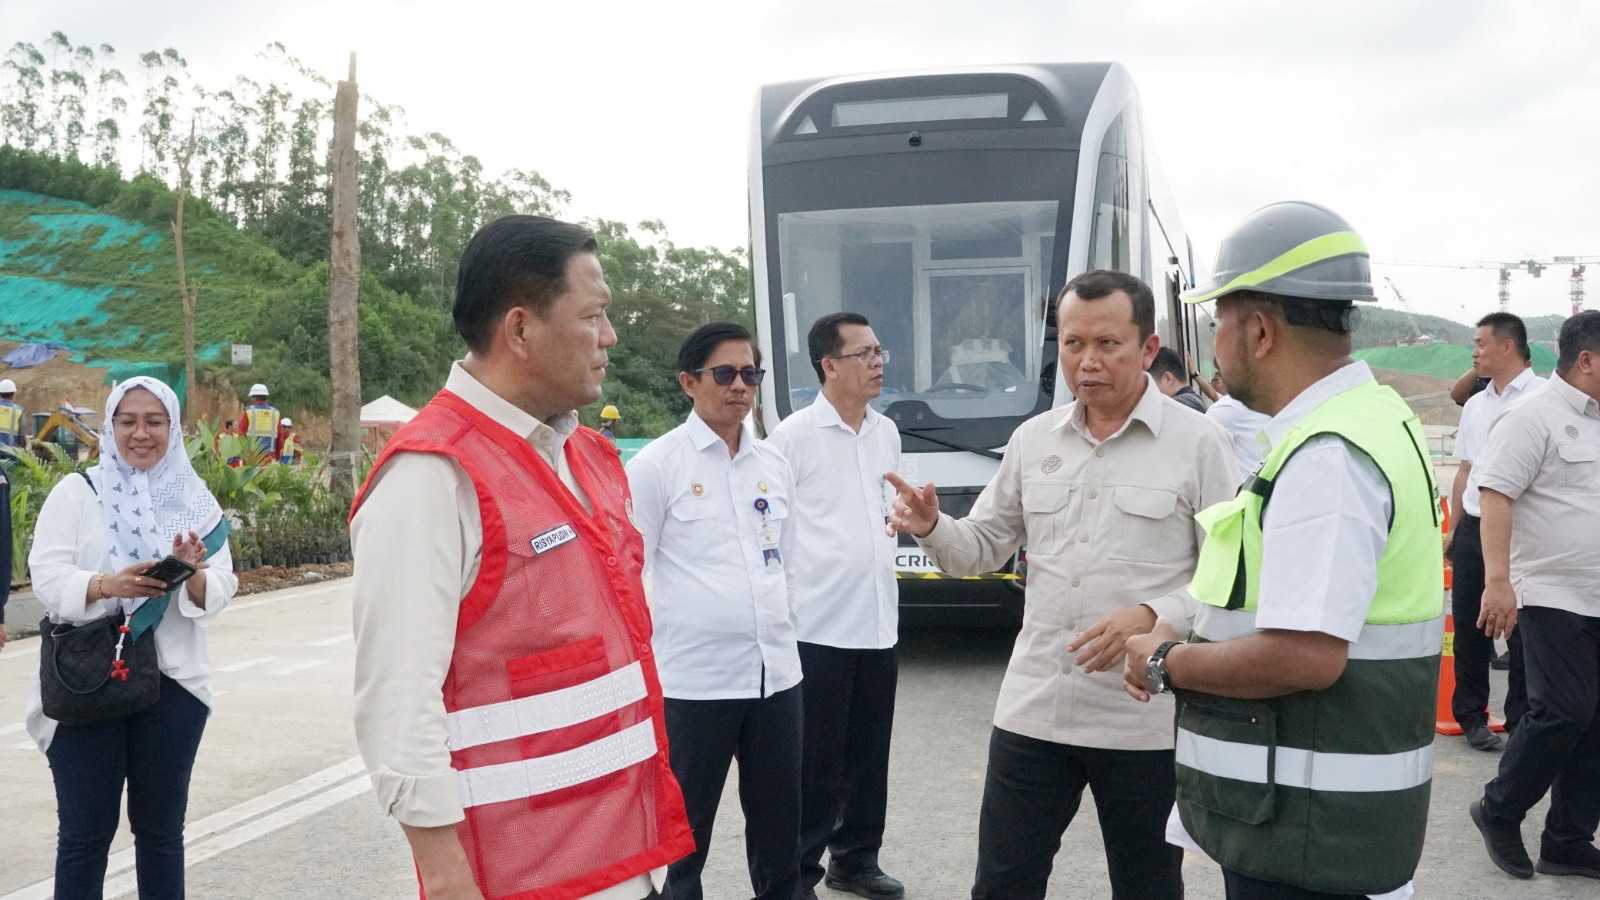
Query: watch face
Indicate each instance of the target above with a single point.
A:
(1153, 680)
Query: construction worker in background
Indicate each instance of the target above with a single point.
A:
(259, 422)
(1169, 373)
(1306, 691)
(13, 418)
(609, 417)
(288, 443)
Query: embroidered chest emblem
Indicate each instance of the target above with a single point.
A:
(1051, 464)
(555, 537)
(1572, 431)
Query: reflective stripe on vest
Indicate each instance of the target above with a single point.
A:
(545, 712)
(10, 418)
(1405, 641)
(544, 774)
(1294, 767)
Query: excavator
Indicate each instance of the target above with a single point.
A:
(69, 428)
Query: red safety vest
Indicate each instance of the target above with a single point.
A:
(553, 707)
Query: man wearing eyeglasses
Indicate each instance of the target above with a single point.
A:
(848, 606)
(713, 504)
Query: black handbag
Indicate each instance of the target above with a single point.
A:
(102, 670)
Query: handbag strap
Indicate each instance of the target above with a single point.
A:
(89, 481)
(55, 669)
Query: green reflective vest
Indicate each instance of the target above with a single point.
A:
(1324, 790)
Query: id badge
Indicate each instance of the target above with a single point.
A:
(767, 540)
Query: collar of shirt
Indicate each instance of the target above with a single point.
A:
(1148, 411)
(1581, 403)
(1517, 385)
(547, 439)
(1353, 375)
(827, 415)
(701, 435)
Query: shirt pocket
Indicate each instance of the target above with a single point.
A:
(1580, 466)
(1219, 735)
(1044, 509)
(1146, 527)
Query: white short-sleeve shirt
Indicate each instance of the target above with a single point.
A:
(1477, 417)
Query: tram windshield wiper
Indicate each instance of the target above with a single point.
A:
(921, 432)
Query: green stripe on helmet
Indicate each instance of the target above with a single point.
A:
(1318, 249)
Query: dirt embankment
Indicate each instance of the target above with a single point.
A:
(1429, 397)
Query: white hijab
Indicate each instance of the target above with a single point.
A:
(146, 510)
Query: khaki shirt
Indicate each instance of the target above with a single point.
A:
(1544, 453)
(1106, 524)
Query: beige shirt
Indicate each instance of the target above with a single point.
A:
(418, 542)
(1107, 524)
(1544, 453)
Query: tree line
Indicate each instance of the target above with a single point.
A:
(258, 150)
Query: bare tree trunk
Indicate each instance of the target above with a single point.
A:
(184, 293)
(344, 283)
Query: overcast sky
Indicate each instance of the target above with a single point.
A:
(1443, 130)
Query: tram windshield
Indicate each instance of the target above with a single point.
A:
(955, 293)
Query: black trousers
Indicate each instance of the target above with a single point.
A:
(703, 737)
(1243, 887)
(152, 752)
(1474, 650)
(1030, 795)
(849, 720)
(1557, 746)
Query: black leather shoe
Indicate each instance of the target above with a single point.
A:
(1583, 860)
(1503, 840)
(1479, 737)
(871, 883)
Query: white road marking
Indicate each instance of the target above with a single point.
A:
(303, 798)
(23, 745)
(11, 652)
(300, 666)
(243, 664)
(332, 642)
(13, 729)
(201, 851)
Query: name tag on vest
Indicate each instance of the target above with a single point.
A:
(554, 538)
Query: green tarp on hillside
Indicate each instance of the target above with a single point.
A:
(1440, 360)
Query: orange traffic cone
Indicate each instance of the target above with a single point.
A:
(1444, 717)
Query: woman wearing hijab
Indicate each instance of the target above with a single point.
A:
(97, 535)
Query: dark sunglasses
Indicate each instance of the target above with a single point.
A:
(724, 375)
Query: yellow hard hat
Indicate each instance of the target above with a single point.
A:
(610, 412)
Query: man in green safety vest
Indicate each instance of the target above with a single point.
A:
(1306, 688)
(13, 418)
(259, 422)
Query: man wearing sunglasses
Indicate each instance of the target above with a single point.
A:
(848, 606)
(713, 505)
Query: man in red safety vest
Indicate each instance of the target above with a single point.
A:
(507, 702)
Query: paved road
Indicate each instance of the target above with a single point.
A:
(280, 809)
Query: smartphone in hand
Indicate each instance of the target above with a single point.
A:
(171, 571)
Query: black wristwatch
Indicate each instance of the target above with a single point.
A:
(1156, 678)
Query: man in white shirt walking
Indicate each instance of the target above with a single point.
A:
(1103, 491)
(714, 505)
(1540, 482)
(847, 603)
(1246, 429)
(1500, 352)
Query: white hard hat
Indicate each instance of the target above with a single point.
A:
(258, 390)
(7, 386)
(287, 420)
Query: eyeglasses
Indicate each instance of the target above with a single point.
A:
(724, 375)
(868, 356)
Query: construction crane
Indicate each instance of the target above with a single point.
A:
(1579, 265)
(1534, 267)
(1411, 318)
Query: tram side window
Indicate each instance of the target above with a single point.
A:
(1108, 237)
